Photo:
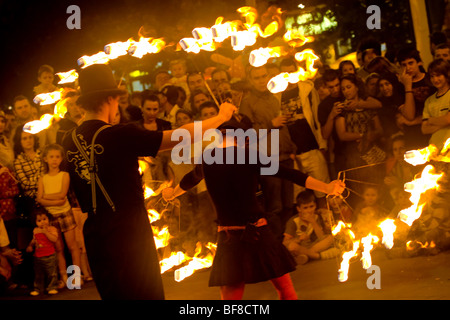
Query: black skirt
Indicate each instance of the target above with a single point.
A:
(249, 256)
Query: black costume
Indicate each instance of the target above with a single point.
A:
(249, 255)
(118, 236)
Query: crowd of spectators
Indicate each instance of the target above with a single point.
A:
(353, 123)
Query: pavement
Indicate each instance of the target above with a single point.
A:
(425, 277)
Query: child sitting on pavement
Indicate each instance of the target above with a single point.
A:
(305, 236)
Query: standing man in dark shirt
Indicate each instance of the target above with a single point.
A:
(417, 85)
(104, 172)
(263, 109)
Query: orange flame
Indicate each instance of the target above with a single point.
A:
(47, 98)
(145, 46)
(411, 245)
(296, 39)
(221, 31)
(98, 58)
(67, 77)
(259, 57)
(427, 181)
(345, 263)
(280, 82)
(367, 243)
(117, 49)
(37, 126)
(388, 228)
(161, 236)
(196, 263)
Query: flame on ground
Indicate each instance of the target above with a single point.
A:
(428, 180)
(388, 228)
(368, 242)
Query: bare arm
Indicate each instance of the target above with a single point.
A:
(65, 188)
(408, 109)
(51, 233)
(429, 128)
(335, 187)
(441, 121)
(40, 197)
(369, 103)
(327, 129)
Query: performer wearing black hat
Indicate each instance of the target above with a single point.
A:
(247, 250)
(104, 172)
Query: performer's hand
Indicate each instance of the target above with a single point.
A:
(226, 110)
(335, 187)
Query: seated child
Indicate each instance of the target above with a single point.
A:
(369, 212)
(305, 236)
(45, 267)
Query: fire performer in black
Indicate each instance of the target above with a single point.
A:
(247, 250)
(103, 166)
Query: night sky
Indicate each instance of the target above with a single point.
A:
(34, 33)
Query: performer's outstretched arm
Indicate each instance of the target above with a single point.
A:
(335, 187)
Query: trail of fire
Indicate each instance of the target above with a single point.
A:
(241, 34)
(162, 236)
(280, 82)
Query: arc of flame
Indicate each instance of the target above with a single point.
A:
(259, 57)
(280, 82)
(37, 126)
(221, 31)
(47, 119)
(206, 38)
(431, 152)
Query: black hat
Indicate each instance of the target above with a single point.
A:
(97, 80)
